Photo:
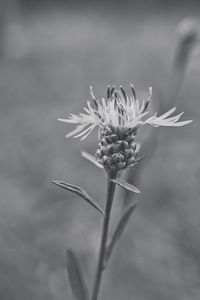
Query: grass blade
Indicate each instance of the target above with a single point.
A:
(76, 276)
(119, 230)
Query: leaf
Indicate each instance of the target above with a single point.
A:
(91, 158)
(76, 276)
(118, 231)
(139, 158)
(79, 191)
(126, 185)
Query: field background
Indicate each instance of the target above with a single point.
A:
(50, 55)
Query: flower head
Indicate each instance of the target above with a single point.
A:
(118, 111)
(118, 118)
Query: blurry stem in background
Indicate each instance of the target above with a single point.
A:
(100, 267)
(188, 30)
(185, 241)
(3, 24)
(9, 11)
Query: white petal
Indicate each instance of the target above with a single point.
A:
(68, 120)
(137, 119)
(84, 131)
(173, 119)
(78, 129)
(168, 113)
(142, 106)
(179, 123)
(157, 123)
(91, 128)
(150, 92)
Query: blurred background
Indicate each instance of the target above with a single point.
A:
(50, 53)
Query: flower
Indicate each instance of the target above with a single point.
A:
(119, 111)
(118, 119)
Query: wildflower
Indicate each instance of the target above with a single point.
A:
(118, 119)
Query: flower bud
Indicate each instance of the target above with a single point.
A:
(116, 149)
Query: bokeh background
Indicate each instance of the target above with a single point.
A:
(50, 53)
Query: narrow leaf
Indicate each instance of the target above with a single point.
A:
(139, 158)
(118, 231)
(76, 276)
(79, 191)
(91, 158)
(126, 185)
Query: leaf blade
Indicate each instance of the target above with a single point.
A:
(76, 276)
(92, 159)
(79, 191)
(126, 185)
(119, 230)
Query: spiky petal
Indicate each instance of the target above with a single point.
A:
(120, 111)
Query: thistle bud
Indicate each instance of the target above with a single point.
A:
(119, 150)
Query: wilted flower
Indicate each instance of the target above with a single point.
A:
(118, 119)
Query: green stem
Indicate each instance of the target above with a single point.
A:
(110, 195)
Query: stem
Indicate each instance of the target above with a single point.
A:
(109, 200)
